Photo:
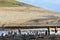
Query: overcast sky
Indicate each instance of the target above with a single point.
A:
(53, 5)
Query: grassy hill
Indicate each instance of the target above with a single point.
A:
(13, 12)
(11, 3)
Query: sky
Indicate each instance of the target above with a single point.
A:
(53, 5)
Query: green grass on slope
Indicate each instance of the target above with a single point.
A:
(7, 3)
(10, 3)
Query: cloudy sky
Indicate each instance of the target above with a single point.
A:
(53, 5)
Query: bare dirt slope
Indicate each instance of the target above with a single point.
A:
(19, 15)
